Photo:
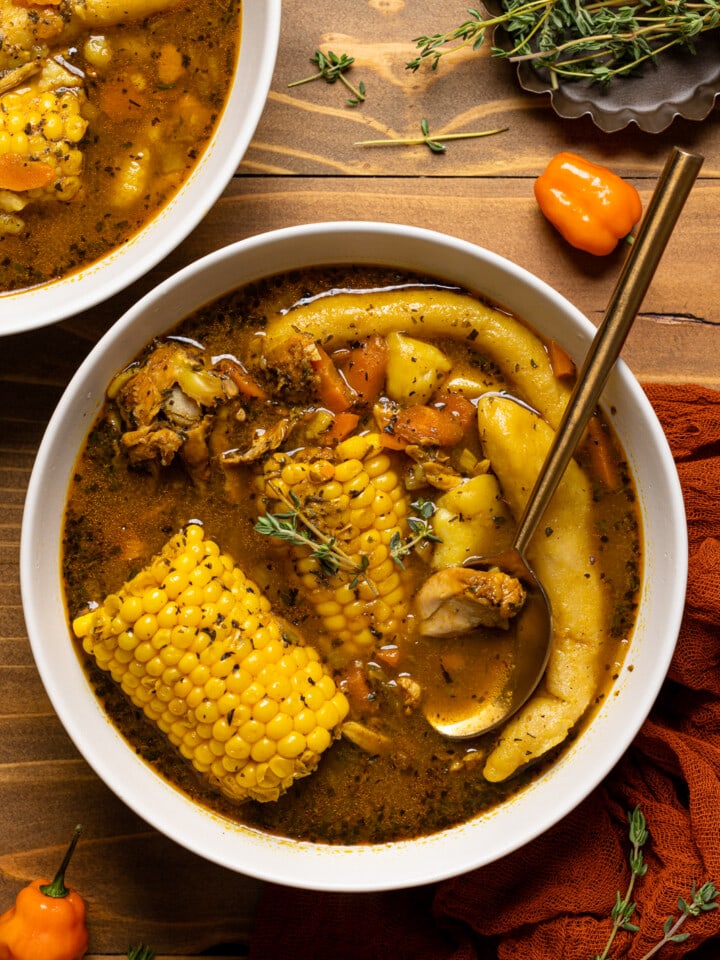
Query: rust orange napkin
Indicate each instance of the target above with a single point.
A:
(551, 900)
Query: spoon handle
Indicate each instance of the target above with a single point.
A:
(666, 203)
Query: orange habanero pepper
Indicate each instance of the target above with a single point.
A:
(47, 921)
(592, 207)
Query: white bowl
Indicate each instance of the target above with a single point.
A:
(382, 866)
(46, 304)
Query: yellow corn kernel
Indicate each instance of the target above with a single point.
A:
(360, 516)
(43, 127)
(241, 708)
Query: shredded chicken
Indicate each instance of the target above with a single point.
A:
(289, 366)
(165, 401)
(458, 599)
(265, 441)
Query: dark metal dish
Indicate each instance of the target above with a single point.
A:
(678, 84)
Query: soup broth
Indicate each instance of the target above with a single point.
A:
(326, 363)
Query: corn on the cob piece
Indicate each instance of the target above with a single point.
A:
(194, 644)
(353, 495)
(41, 126)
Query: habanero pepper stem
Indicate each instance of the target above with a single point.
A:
(47, 920)
(592, 207)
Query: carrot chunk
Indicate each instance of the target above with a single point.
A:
(342, 426)
(560, 361)
(335, 394)
(459, 406)
(18, 174)
(600, 451)
(421, 424)
(364, 368)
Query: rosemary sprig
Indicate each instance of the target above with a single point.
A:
(420, 529)
(296, 528)
(578, 39)
(331, 68)
(435, 144)
(624, 908)
(702, 899)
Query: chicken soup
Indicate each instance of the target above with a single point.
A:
(105, 109)
(266, 546)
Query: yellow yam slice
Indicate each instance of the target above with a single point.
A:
(516, 442)
(415, 369)
(428, 312)
(471, 520)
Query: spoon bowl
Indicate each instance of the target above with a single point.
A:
(490, 708)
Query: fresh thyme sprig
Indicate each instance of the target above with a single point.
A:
(579, 40)
(140, 953)
(331, 68)
(421, 531)
(624, 908)
(435, 144)
(295, 527)
(702, 899)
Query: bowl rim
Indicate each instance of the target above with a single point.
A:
(373, 867)
(35, 307)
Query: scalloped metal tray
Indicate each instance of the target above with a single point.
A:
(677, 84)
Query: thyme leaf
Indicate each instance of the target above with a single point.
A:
(332, 67)
(579, 39)
(435, 144)
(295, 527)
(420, 532)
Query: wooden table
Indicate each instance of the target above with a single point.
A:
(303, 166)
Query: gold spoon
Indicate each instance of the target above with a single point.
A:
(534, 624)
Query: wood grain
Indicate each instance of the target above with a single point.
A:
(303, 166)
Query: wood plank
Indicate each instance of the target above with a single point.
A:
(308, 130)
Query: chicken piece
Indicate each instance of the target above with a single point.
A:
(164, 402)
(458, 599)
(265, 441)
(368, 739)
(41, 129)
(28, 31)
(412, 692)
(441, 475)
(289, 366)
(152, 443)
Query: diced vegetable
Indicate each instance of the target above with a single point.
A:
(334, 391)
(364, 368)
(560, 361)
(471, 520)
(602, 458)
(415, 368)
(418, 424)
